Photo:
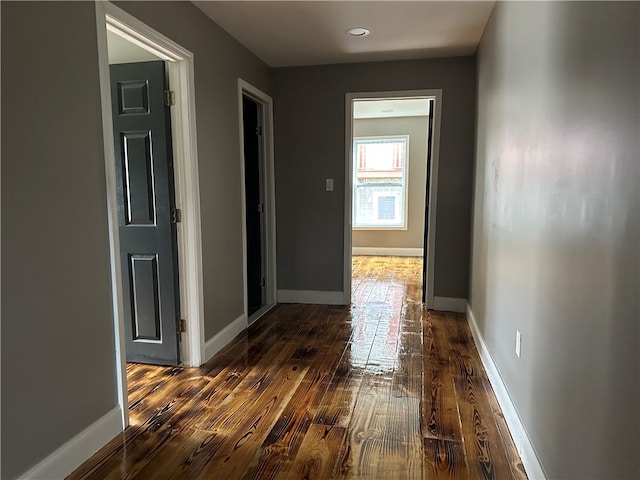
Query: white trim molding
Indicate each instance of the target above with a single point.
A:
(314, 297)
(112, 213)
(185, 154)
(519, 434)
(448, 304)
(255, 316)
(80, 448)
(224, 336)
(389, 251)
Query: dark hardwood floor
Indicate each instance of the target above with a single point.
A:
(380, 390)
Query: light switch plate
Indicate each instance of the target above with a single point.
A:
(329, 184)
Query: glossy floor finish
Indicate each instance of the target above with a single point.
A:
(380, 390)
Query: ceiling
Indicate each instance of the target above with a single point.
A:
(293, 33)
(388, 108)
(123, 51)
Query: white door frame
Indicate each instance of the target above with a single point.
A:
(187, 188)
(268, 181)
(436, 95)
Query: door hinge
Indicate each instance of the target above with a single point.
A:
(181, 325)
(260, 208)
(176, 215)
(262, 282)
(258, 130)
(169, 98)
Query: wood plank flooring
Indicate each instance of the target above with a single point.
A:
(383, 389)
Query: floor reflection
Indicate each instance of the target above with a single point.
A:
(384, 437)
(383, 289)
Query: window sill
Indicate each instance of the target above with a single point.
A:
(380, 228)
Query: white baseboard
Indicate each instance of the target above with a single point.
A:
(224, 336)
(449, 304)
(390, 252)
(312, 297)
(260, 313)
(520, 437)
(80, 448)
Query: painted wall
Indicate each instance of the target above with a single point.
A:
(58, 371)
(556, 230)
(310, 147)
(58, 359)
(416, 128)
(219, 61)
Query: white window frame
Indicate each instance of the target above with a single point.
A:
(405, 182)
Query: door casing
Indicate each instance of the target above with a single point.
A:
(429, 255)
(187, 188)
(266, 102)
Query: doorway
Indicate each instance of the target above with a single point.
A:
(132, 33)
(258, 197)
(392, 163)
(254, 204)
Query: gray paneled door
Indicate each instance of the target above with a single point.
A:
(144, 174)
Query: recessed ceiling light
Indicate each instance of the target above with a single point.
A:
(358, 32)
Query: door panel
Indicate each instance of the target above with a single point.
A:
(144, 176)
(137, 169)
(253, 202)
(143, 275)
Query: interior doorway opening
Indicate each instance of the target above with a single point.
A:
(392, 163)
(126, 39)
(258, 200)
(254, 205)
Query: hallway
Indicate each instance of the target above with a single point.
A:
(380, 390)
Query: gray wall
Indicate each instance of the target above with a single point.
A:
(556, 227)
(57, 329)
(58, 371)
(416, 128)
(218, 62)
(310, 146)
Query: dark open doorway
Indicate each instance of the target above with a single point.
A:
(254, 204)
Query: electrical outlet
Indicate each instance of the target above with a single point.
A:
(518, 342)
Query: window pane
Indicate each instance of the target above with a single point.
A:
(386, 208)
(378, 205)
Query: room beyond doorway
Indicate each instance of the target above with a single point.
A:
(390, 142)
(392, 145)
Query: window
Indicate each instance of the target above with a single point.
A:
(379, 182)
